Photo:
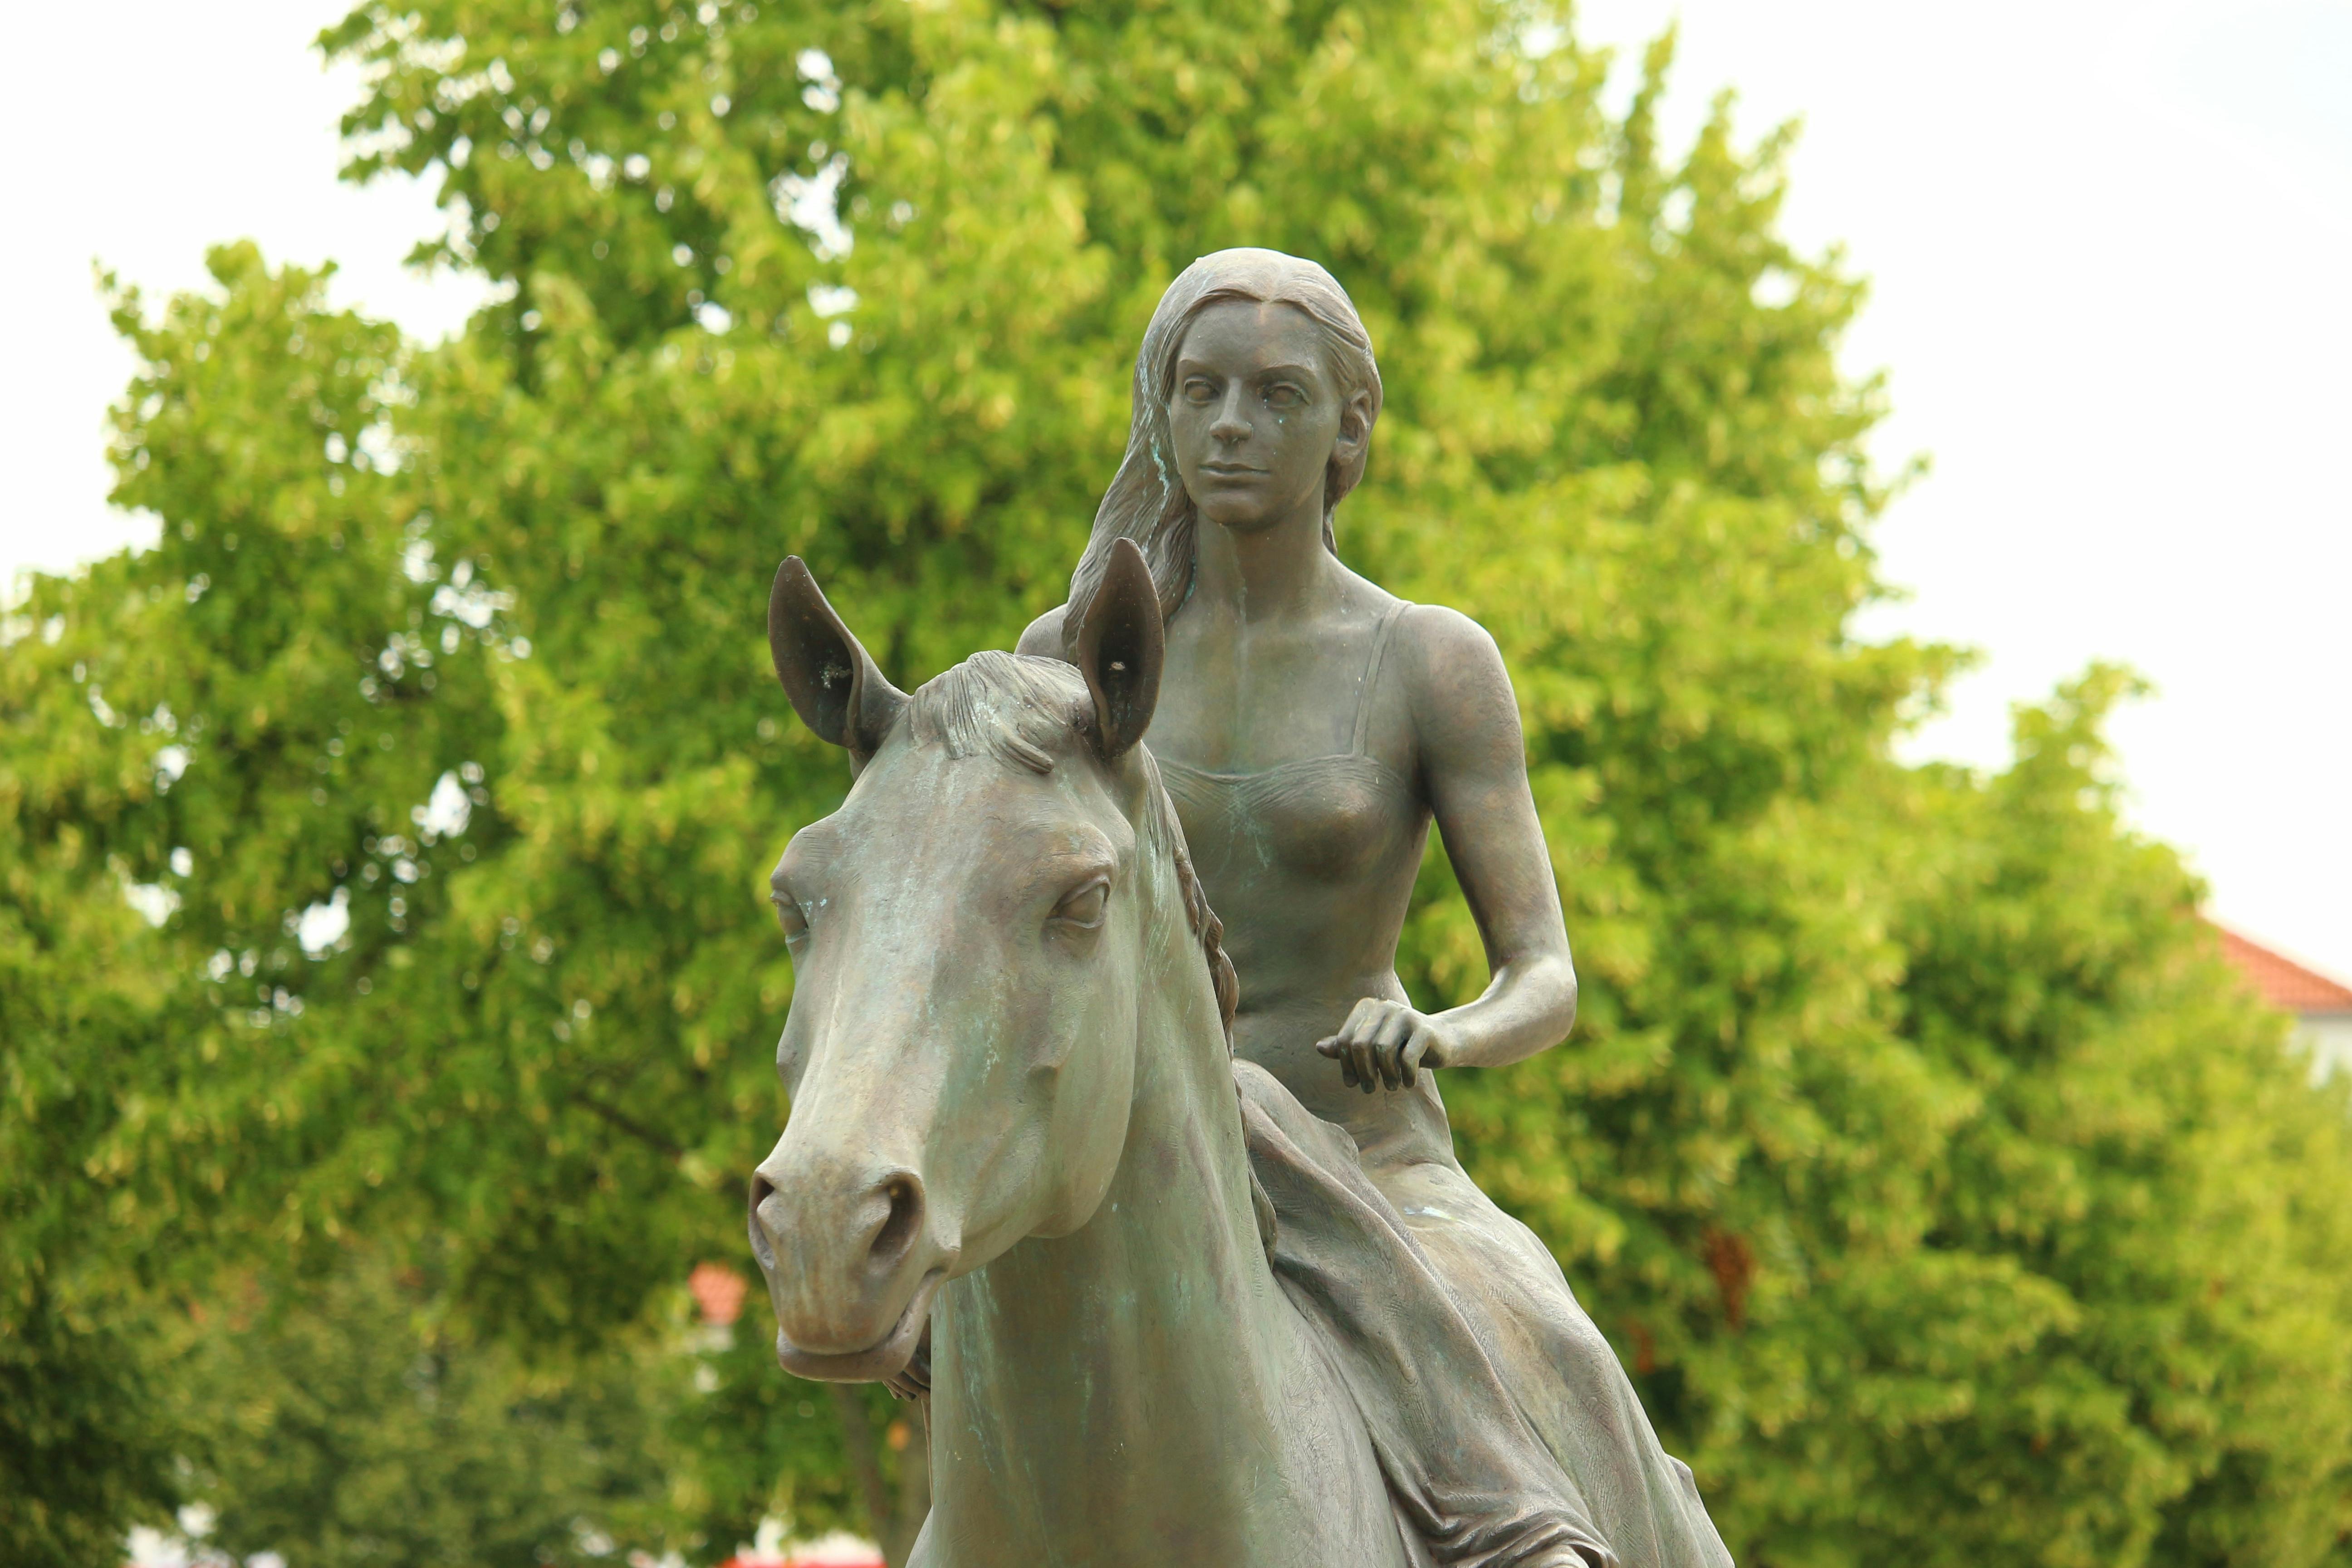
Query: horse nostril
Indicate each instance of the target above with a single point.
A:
(762, 1245)
(898, 1231)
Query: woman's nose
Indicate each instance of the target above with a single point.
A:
(1229, 425)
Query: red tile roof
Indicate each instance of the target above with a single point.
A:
(2281, 982)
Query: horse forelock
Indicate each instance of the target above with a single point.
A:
(1026, 712)
(1018, 708)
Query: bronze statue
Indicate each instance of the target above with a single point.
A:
(1170, 1323)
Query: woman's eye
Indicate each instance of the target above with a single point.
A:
(1199, 390)
(1084, 908)
(1284, 395)
(789, 916)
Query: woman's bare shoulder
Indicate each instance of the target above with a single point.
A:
(1454, 680)
(1441, 644)
(1043, 637)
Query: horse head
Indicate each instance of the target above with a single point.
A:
(970, 933)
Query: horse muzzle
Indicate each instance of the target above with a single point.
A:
(877, 1362)
(850, 1265)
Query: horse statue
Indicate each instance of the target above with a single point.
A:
(1014, 1121)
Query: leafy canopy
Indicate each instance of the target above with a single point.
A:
(1945, 1202)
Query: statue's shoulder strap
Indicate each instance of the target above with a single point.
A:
(1364, 689)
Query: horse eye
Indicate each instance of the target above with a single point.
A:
(1084, 908)
(789, 916)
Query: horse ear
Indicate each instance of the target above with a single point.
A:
(835, 685)
(1120, 646)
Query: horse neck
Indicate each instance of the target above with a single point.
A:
(1149, 1347)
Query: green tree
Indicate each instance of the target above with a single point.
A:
(1910, 1124)
(342, 1426)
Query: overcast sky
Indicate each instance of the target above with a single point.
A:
(2109, 246)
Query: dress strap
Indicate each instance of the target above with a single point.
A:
(1373, 672)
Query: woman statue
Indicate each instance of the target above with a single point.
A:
(1309, 728)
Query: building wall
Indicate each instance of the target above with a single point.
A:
(2328, 1038)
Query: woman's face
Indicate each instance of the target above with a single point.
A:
(1256, 415)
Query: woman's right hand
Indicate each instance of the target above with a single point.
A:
(1385, 1044)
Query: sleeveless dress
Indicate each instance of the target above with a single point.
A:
(1382, 1237)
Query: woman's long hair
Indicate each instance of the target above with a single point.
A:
(1147, 501)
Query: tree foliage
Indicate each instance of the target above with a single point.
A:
(1945, 1200)
(343, 1428)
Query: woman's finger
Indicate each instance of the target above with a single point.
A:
(1416, 1051)
(1395, 1026)
(1365, 1046)
(1388, 1045)
(1335, 1047)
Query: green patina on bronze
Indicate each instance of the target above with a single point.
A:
(1014, 1120)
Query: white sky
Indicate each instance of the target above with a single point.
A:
(2111, 255)
(2111, 248)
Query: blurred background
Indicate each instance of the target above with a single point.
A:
(386, 999)
(2106, 251)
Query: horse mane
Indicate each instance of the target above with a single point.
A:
(1026, 711)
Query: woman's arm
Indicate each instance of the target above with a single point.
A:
(1474, 765)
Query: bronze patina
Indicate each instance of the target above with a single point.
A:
(1170, 1321)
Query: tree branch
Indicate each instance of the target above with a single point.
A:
(629, 1125)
